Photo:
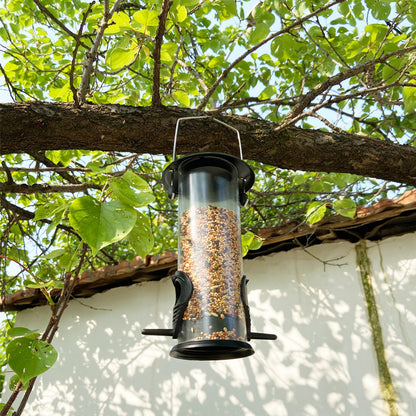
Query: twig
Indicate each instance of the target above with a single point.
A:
(226, 71)
(41, 158)
(74, 55)
(28, 215)
(156, 52)
(47, 13)
(195, 74)
(12, 89)
(337, 79)
(91, 55)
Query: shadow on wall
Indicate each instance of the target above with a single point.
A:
(322, 363)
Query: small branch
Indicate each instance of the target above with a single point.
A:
(91, 55)
(156, 52)
(74, 55)
(287, 29)
(12, 89)
(41, 157)
(337, 79)
(195, 74)
(47, 13)
(28, 215)
(46, 188)
(57, 311)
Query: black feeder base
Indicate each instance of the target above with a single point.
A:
(211, 350)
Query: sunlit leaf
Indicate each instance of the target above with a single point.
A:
(345, 207)
(315, 212)
(132, 190)
(101, 223)
(141, 236)
(29, 358)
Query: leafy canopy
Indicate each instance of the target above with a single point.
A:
(343, 66)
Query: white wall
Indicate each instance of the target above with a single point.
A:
(323, 362)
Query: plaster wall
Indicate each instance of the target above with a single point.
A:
(323, 363)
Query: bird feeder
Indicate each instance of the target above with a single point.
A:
(211, 315)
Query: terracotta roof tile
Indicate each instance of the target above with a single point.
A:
(402, 209)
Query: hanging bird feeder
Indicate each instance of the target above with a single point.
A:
(211, 317)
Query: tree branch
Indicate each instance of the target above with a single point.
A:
(46, 188)
(287, 29)
(28, 127)
(74, 55)
(156, 51)
(28, 215)
(47, 13)
(40, 157)
(91, 55)
(305, 100)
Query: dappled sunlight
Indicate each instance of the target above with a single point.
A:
(322, 363)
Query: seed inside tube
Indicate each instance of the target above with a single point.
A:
(210, 254)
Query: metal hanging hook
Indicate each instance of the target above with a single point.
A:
(200, 117)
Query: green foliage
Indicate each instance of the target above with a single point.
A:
(27, 355)
(10, 412)
(250, 241)
(345, 207)
(315, 212)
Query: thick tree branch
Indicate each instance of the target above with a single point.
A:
(156, 51)
(28, 127)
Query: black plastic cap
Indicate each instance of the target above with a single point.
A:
(170, 174)
(206, 350)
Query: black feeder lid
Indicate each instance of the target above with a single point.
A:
(170, 174)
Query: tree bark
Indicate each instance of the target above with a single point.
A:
(29, 127)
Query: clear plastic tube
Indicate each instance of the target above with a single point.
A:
(209, 250)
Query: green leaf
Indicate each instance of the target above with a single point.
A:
(119, 58)
(409, 98)
(14, 379)
(101, 224)
(268, 92)
(20, 331)
(181, 13)
(29, 358)
(143, 19)
(250, 241)
(284, 47)
(315, 212)
(40, 285)
(345, 207)
(182, 97)
(120, 22)
(48, 211)
(229, 6)
(141, 236)
(260, 31)
(132, 190)
(65, 157)
(54, 254)
(299, 180)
